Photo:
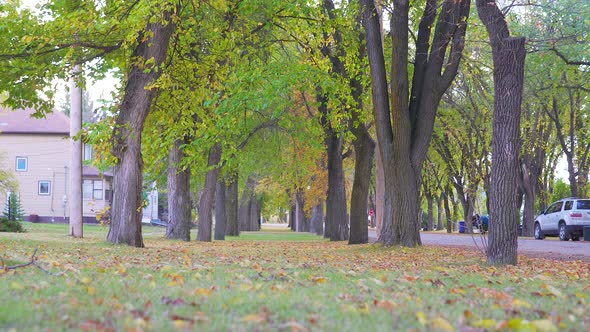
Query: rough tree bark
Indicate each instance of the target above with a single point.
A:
(439, 213)
(532, 167)
(232, 226)
(508, 56)
(153, 43)
(336, 217)
(301, 222)
(448, 214)
(179, 200)
(248, 203)
(405, 121)
(206, 202)
(364, 148)
(317, 218)
(220, 210)
(430, 202)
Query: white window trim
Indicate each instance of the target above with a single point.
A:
(93, 190)
(26, 164)
(48, 188)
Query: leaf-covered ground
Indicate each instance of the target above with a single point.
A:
(278, 281)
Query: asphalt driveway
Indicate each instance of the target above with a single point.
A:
(549, 248)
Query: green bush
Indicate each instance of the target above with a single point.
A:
(11, 226)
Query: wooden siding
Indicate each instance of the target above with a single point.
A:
(47, 160)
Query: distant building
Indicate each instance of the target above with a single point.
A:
(38, 153)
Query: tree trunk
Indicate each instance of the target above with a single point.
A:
(254, 218)
(379, 191)
(206, 202)
(301, 222)
(220, 216)
(448, 212)
(508, 56)
(248, 204)
(232, 226)
(336, 216)
(439, 213)
(179, 200)
(292, 216)
(430, 202)
(317, 218)
(404, 127)
(364, 148)
(126, 211)
(244, 212)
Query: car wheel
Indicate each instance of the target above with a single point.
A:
(563, 234)
(538, 232)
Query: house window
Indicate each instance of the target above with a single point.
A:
(44, 187)
(21, 164)
(92, 189)
(87, 152)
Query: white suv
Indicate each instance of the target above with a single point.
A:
(565, 218)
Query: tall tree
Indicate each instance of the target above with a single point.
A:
(179, 202)
(404, 119)
(508, 55)
(151, 51)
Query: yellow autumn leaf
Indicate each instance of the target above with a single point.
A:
(85, 280)
(91, 290)
(485, 323)
(551, 289)
(180, 324)
(421, 316)
(521, 303)
(319, 279)
(203, 292)
(253, 318)
(544, 325)
(441, 324)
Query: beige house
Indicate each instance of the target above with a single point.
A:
(37, 151)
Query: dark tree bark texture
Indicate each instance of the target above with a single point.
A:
(364, 148)
(404, 120)
(206, 202)
(336, 216)
(179, 200)
(317, 219)
(232, 226)
(220, 216)
(508, 56)
(126, 212)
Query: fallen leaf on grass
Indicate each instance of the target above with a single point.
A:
(203, 291)
(441, 324)
(293, 326)
(421, 317)
(385, 304)
(544, 325)
(254, 318)
(319, 280)
(176, 302)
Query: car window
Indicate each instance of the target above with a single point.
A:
(583, 204)
(555, 207)
(568, 205)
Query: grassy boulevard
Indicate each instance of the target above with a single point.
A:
(276, 280)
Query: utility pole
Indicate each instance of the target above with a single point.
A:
(75, 199)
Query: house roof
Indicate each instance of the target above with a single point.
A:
(92, 171)
(21, 122)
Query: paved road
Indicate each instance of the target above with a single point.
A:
(550, 247)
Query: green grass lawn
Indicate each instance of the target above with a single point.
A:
(276, 280)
